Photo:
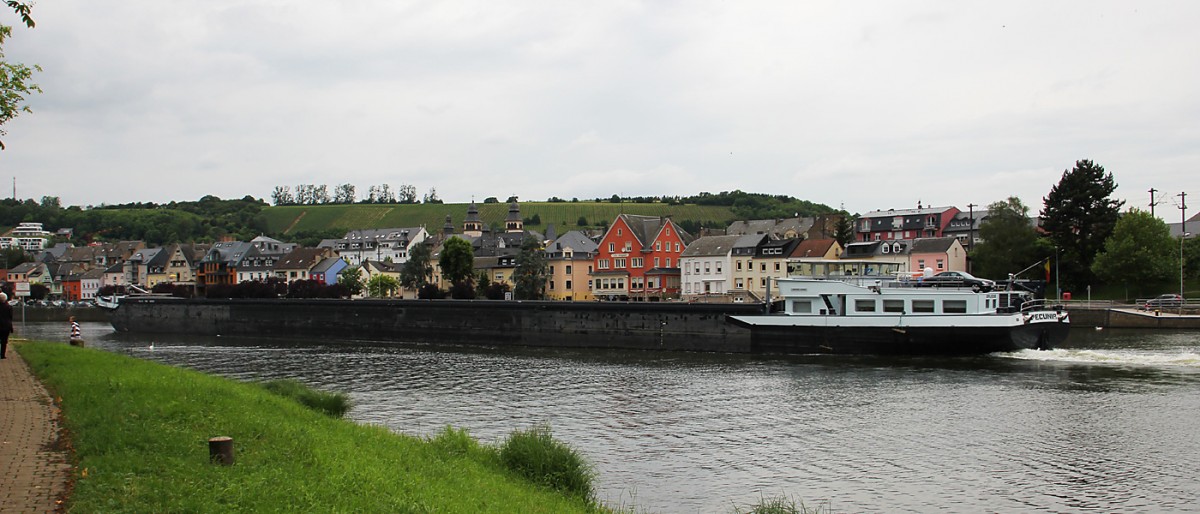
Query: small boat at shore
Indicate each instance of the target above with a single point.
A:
(868, 315)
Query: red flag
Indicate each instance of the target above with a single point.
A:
(1047, 270)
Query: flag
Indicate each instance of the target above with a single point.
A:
(1047, 271)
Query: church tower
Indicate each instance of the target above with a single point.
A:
(514, 223)
(472, 226)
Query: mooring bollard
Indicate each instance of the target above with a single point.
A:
(220, 450)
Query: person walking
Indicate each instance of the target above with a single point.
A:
(76, 338)
(6, 324)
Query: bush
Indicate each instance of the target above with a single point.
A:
(333, 404)
(535, 455)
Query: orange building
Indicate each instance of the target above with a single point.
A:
(638, 259)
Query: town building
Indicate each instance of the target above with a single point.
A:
(638, 259)
(901, 224)
(570, 260)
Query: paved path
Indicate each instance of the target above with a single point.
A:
(33, 473)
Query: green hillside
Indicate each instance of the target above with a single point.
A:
(291, 219)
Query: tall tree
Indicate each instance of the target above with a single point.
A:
(344, 194)
(530, 275)
(417, 270)
(457, 260)
(1141, 253)
(15, 79)
(1078, 216)
(1010, 242)
(843, 230)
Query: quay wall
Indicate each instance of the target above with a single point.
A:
(642, 326)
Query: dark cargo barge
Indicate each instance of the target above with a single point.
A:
(635, 325)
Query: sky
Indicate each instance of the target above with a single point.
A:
(866, 105)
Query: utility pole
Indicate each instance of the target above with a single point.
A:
(1182, 236)
(1152, 202)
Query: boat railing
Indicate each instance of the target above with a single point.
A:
(1039, 304)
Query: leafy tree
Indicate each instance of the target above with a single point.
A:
(352, 278)
(344, 194)
(12, 257)
(1078, 216)
(843, 231)
(1191, 257)
(282, 195)
(430, 292)
(530, 274)
(457, 261)
(496, 290)
(408, 194)
(381, 286)
(615, 199)
(418, 269)
(491, 199)
(432, 196)
(462, 290)
(1010, 243)
(38, 291)
(1140, 252)
(15, 79)
(582, 221)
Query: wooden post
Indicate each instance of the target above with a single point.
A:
(220, 450)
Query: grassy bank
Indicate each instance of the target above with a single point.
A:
(139, 432)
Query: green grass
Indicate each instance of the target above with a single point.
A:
(332, 404)
(565, 216)
(139, 431)
(784, 505)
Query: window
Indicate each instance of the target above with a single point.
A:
(603, 264)
(568, 285)
(925, 306)
(568, 271)
(861, 305)
(762, 266)
(657, 246)
(619, 263)
(718, 268)
(551, 285)
(628, 246)
(618, 232)
(656, 261)
(676, 249)
(707, 268)
(920, 264)
(776, 266)
(954, 306)
(612, 247)
(739, 265)
(884, 249)
(941, 264)
(802, 306)
(893, 306)
(668, 262)
(740, 284)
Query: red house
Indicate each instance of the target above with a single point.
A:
(638, 259)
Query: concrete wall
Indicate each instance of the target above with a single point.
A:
(658, 326)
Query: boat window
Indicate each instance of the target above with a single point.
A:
(893, 306)
(922, 305)
(954, 306)
(864, 305)
(802, 306)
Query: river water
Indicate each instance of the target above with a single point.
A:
(1106, 424)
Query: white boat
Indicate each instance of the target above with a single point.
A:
(822, 315)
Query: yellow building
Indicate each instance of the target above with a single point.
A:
(570, 267)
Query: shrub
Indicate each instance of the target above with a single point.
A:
(333, 404)
(535, 455)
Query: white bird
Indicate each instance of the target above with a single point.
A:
(1099, 329)
(151, 346)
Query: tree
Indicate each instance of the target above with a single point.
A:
(1010, 243)
(15, 79)
(351, 277)
(382, 286)
(843, 231)
(431, 196)
(582, 221)
(530, 274)
(417, 270)
(1140, 252)
(1078, 216)
(457, 260)
(408, 194)
(344, 194)
(282, 195)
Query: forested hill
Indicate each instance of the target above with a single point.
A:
(212, 218)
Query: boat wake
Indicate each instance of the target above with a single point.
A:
(1187, 359)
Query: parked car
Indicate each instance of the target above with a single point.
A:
(1163, 301)
(957, 279)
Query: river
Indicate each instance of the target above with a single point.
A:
(1106, 424)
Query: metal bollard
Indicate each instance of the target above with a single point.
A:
(220, 450)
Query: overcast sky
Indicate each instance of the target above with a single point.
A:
(862, 105)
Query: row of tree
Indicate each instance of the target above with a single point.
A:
(1084, 238)
(318, 194)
